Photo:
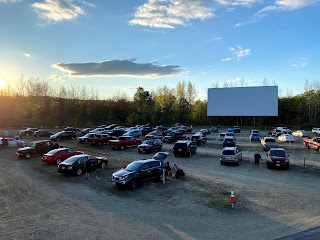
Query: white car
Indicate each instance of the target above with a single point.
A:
(221, 136)
(230, 155)
(286, 138)
(12, 142)
(300, 133)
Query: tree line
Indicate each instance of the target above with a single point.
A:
(34, 103)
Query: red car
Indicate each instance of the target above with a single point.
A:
(58, 155)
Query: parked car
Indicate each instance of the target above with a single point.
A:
(63, 135)
(229, 141)
(98, 130)
(277, 157)
(255, 131)
(214, 130)
(221, 136)
(86, 130)
(140, 171)
(184, 147)
(300, 133)
(116, 132)
(204, 131)
(286, 138)
(151, 145)
(173, 136)
(83, 139)
(312, 143)
(11, 142)
(231, 155)
(254, 137)
(76, 164)
(154, 134)
(124, 142)
(285, 130)
(72, 129)
(229, 133)
(56, 156)
(28, 131)
(268, 142)
(133, 133)
(36, 148)
(315, 131)
(236, 129)
(42, 133)
(198, 138)
(100, 139)
(276, 132)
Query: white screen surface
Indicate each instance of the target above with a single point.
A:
(243, 101)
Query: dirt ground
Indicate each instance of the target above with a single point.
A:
(39, 203)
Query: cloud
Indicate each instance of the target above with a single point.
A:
(238, 53)
(237, 79)
(9, 1)
(27, 55)
(170, 13)
(299, 62)
(279, 6)
(112, 68)
(56, 78)
(58, 10)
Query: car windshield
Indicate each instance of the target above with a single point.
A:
(149, 142)
(56, 134)
(134, 166)
(227, 152)
(277, 153)
(52, 152)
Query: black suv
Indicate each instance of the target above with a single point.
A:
(174, 136)
(150, 145)
(185, 147)
(140, 171)
(63, 135)
(36, 148)
(229, 141)
(198, 138)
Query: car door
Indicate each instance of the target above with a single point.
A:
(145, 172)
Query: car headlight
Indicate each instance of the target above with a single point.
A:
(269, 159)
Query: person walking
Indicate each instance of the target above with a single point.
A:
(257, 158)
(88, 168)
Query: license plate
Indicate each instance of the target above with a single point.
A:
(278, 164)
(62, 167)
(180, 150)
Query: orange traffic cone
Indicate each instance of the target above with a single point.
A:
(232, 198)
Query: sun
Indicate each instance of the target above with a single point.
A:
(2, 84)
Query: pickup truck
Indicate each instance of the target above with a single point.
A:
(100, 139)
(124, 142)
(312, 143)
(268, 142)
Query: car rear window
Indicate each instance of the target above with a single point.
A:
(270, 140)
(227, 152)
(53, 151)
(180, 145)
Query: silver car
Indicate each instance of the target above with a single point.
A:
(231, 155)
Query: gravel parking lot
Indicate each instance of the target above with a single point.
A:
(39, 203)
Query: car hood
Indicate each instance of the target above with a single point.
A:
(121, 172)
(25, 149)
(144, 145)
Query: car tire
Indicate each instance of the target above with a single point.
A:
(28, 156)
(221, 163)
(37, 136)
(79, 171)
(58, 161)
(176, 155)
(121, 147)
(139, 151)
(268, 166)
(237, 163)
(308, 146)
(132, 185)
(99, 143)
(27, 134)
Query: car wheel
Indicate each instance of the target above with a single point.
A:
(121, 147)
(308, 146)
(132, 185)
(237, 163)
(27, 134)
(79, 171)
(99, 143)
(139, 151)
(268, 166)
(38, 136)
(28, 156)
(176, 155)
(58, 161)
(221, 163)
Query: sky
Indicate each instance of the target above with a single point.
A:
(115, 46)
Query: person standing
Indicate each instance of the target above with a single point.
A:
(88, 168)
(257, 158)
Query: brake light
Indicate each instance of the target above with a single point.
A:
(69, 167)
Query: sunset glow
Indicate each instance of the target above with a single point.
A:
(2, 84)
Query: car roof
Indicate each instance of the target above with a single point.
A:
(40, 141)
(277, 149)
